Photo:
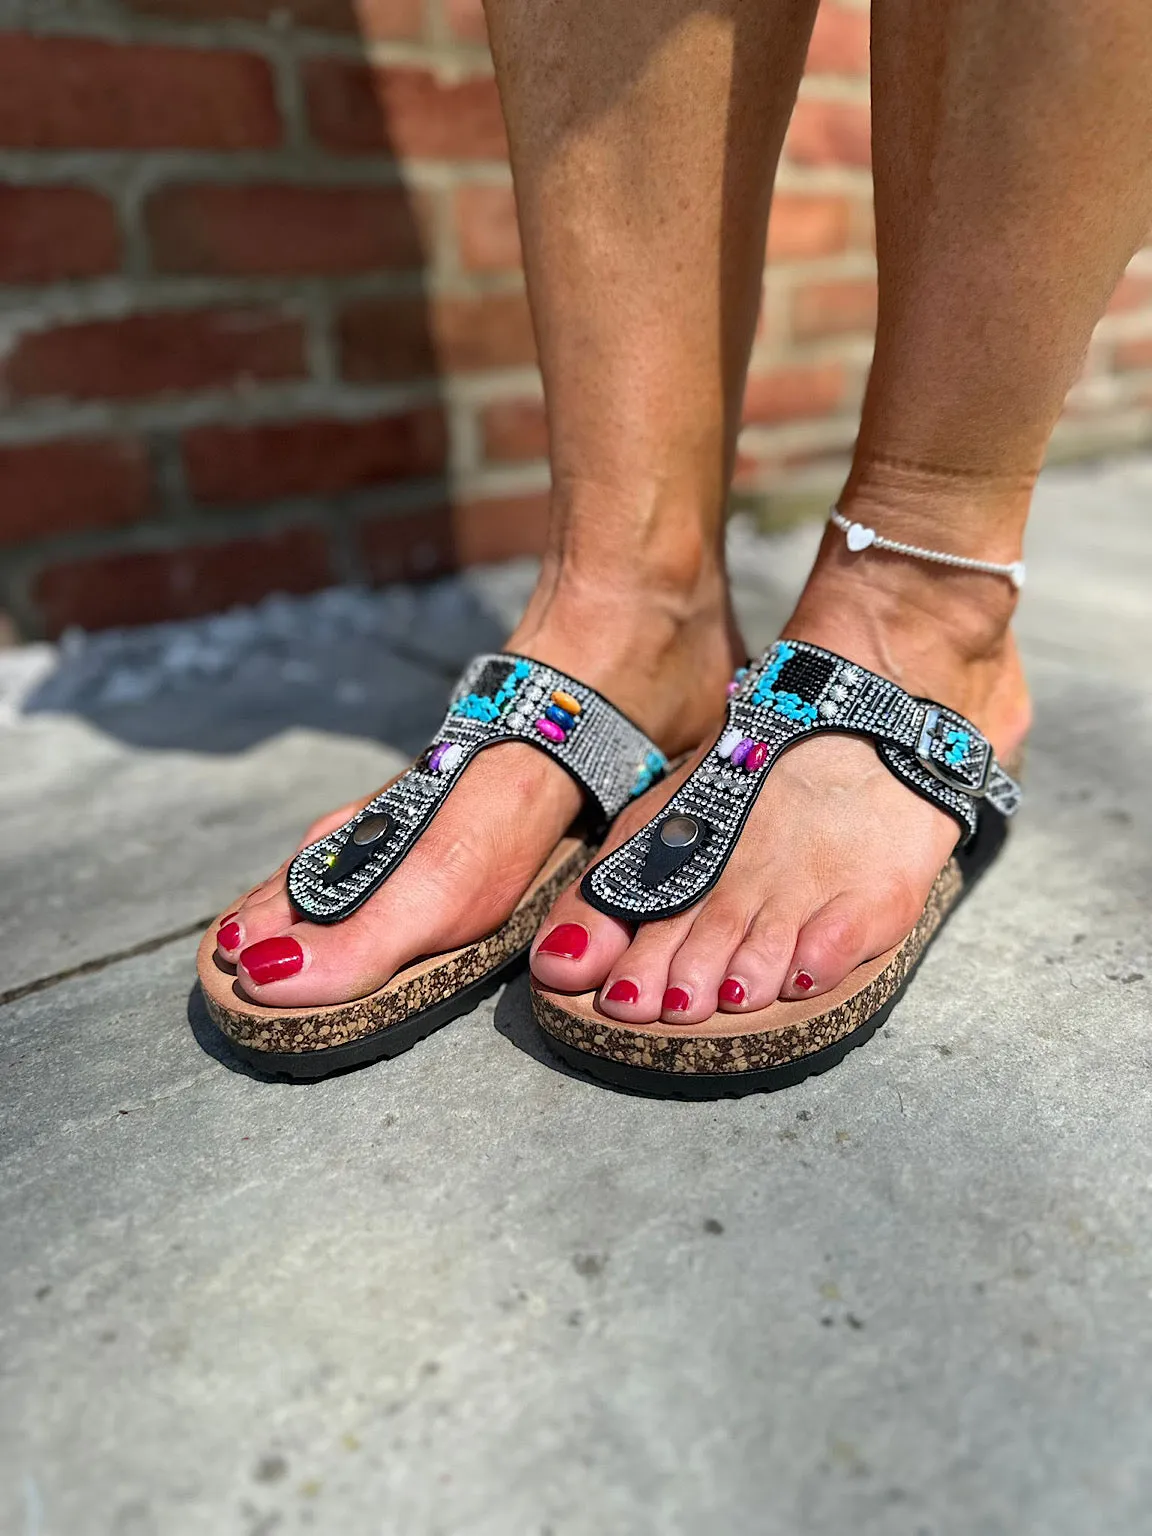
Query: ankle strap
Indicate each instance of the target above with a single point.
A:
(795, 690)
(501, 697)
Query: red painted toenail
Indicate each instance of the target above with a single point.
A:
(731, 991)
(675, 1000)
(622, 992)
(803, 981)
(228, 916)
(228, 936)
(272, 960)
(568, 940)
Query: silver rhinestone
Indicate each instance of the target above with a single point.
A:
(371, 829)
(829, 710)
(838, 693)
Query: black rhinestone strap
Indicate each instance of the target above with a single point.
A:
(794, 690)
(500, 698)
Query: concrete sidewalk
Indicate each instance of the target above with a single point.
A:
(467, 1294)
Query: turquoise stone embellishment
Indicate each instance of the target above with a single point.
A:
(781, 653)
(790, 705)
(654, 766)
(487, 707)
(957, 743)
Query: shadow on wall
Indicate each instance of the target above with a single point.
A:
(265, 332)
(265, 328)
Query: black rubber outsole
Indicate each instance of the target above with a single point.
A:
(383, 1043)
(653, 1083)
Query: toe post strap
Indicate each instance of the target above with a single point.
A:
(501, 697)
(795, 690)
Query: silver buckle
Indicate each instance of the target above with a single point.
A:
(932, 716)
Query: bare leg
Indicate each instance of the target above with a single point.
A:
(643, 144)
(1013, 182)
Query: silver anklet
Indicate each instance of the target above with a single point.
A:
(858, 538)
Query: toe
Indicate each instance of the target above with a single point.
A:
(848, 930)
(577, 946)
(758, 969)
(304, 965)
(266, 911)
(258, 918)
(702, 961)
(634, 990)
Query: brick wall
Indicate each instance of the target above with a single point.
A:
(263, 327)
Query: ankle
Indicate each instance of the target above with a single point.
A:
(641, 614)
(938, 631)
(966, 613)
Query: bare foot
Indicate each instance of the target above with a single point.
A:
(660, 653)
(837, 859)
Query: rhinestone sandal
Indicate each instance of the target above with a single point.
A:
(500, 698)
(795, 690)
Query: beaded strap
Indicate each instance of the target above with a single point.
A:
(501, 697)
(795, 689)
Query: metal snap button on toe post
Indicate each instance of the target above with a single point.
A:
(674, 842)
(680, 832)
(371, 829)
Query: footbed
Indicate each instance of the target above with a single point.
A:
(747, 1042)
(419, 986)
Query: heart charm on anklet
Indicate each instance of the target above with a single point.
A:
(858, 537)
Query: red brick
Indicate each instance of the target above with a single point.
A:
(80, 93)
(147, 586)
(839, 42)
(404, 111)
(1133, 356)
(466, 20)
(515, 430)
(418, 545)
(148, 354)
(48, 234)
(487, 230)
(283, 230)
(830, 133)
(805, 225)
(69, 486)
(845, 308)
(389, 340)
(794, 394)
(316, 457)
(370, 19)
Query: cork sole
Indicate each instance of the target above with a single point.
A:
(311, 1042)
(773, 1047)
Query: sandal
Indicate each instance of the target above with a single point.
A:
(795, 690)
(499, 698)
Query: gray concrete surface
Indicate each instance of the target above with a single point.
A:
(468, 1294)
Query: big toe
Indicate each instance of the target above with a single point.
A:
(577, 946)
(312, 965)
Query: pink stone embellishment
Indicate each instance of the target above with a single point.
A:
(550, 729)
(756, 758)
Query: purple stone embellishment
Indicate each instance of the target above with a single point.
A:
(437, 757)
(741, 751)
